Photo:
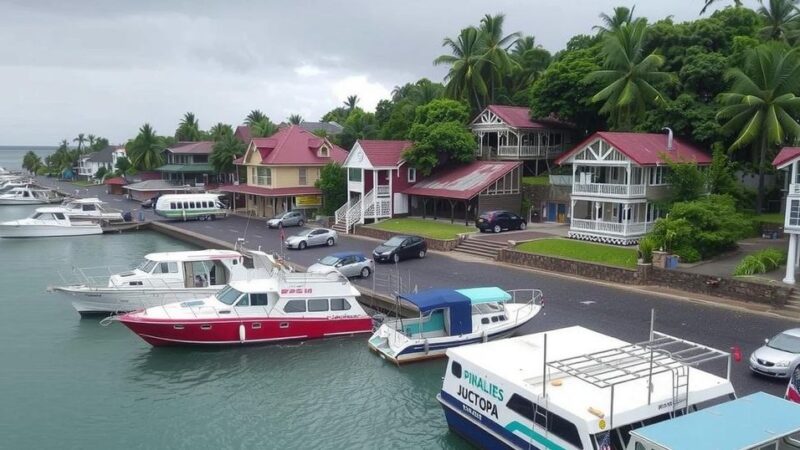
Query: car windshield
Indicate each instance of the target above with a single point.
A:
(394, 242)
(281, 215)
(329, 261)
(304, 233)
(146, 266)
(785, 342)
(228, 295)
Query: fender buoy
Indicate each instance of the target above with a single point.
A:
(241, 333)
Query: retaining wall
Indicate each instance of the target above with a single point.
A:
(444, 245)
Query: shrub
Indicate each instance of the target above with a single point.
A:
(760, 262)
(646, 246)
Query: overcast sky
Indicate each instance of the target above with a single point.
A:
(107, 66)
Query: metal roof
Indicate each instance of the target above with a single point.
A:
(462, 182)
(786, 155)
(644, 149)
(270, 192)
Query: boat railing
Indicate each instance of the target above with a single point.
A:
(528, 297)
(92, 277)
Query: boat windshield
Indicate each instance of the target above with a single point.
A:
(785, 342)
(147, 266)
(228, 295)
(329, 261)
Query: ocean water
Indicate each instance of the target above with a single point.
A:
(70, 383)
(11, 156)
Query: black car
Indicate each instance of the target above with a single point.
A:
(498, 221)
(400, 247)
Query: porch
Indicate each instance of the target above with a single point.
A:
(369, 197)
(621, 223)
(509, 144)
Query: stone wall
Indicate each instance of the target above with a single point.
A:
(444, 245)
(571, 267)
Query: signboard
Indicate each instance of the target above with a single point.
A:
(307, 201)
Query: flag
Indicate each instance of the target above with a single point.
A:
(604, 441)
(793, 390)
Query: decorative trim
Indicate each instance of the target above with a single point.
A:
(602, 239)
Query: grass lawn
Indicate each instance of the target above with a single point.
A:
(541, 180)
(776, 218)
(582, 251)
(427, 228)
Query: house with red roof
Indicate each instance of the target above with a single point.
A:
(281, 171)
(789, 159)
(509, 133)
(618, 180)
(188, 163)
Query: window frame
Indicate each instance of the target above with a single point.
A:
(302, 176)
(412, 175)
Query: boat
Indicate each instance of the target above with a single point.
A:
(91, 208)
(48, 222)
(29, 195)
(575, 388)
(190, 206)
(757, 421)
(7, 185)
(453, 317)
(286, 307)
(164, 278)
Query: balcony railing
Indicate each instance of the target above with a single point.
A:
(609, 190)
(527, 151)
(615, 228)
(794, 189)
(382, 191)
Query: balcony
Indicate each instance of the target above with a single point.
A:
(609, 190)
(382, 191)
(528, 151)
(611, 228)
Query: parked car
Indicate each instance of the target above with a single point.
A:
(287, 219)
(150, 202)
(498, 221)
(312, 237)
(350, 264)
(779, 356)
(400, 247)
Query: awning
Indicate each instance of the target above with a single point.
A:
(187, 168)
(462, 182)
(270, 192)
(459, 306)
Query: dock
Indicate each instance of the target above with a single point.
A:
(125, 226)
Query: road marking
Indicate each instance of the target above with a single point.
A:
(588, 302)
(259, 236)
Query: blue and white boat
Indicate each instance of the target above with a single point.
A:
(453, 317)
(757, 421)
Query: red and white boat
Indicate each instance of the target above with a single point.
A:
(289, 306)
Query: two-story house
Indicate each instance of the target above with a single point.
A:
(509, 133)
(188, 163)
(282, 170)
(617, 181)
(106, 158)
(788, 159)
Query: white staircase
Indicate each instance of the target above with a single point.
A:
(372, 206)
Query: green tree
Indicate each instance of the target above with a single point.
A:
(628, 77)
(80, 140)
(255, 116)
(611, 24)
(333, 184)
(123, 167)
(394, 117)
(101, 173)
(351, 103)
(530, 62)
(31, 162)
(338, 115)
(189, 129)
(219, 131)
(464, 79)
(686, 180)
(359, 125)
(263, 128)
(708, 3)
(91, 139)
(782, 20)
(295, 119)
(761, 106)
(496, 46)
(440, 136)
(224, 152)
(146, 149)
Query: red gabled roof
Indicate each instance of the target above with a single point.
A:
(384, 153)
(119, 181)
(645, 149)
(297, 147)
(195, 148)
(462, 182)
(267, 192)
(785, 155)
(520, 117)
(243, 134)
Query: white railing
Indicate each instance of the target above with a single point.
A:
(607, 189)
(341, 213)
(528, 151)
(383, 208)
(622, 229)
(353, 215)
(382, 191)
(794, 188)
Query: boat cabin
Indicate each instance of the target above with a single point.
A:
(28, 193)
(204, 268)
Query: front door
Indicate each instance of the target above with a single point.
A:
(551, 212)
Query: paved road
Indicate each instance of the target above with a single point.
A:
(619, 312)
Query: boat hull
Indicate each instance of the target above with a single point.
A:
(484, 434)
(31, 201)
(238, 331)
(32, 231)
(116, 300)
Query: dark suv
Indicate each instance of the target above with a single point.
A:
(498, 221)
(400, 247)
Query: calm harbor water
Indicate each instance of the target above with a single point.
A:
(67, 382)
(11, 157)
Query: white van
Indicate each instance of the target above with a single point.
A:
(191, 206)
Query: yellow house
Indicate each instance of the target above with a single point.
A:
(282, 170)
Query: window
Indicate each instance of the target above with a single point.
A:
(485, 320)
(412, 175)
(318, 304)
(59, 216)
(258, 300)
(294, 306)
(303, 180)
(495, 319)
(166, 267)
(658, 175)
(89, 208)
(200, 159)
(228, 295)
(554, 423)
(354, 175)
(264, 176)
(173, 205)
(794, 213)
(324, 152)
(244, 301)
(339, 304)
(455, 369)
(185, 205)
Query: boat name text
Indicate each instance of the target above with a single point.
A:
(296, 291)
(484, 385)
(476, 399)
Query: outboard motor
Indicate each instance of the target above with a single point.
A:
(377, 320)
(127, 216)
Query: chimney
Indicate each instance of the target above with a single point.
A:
(669, 138)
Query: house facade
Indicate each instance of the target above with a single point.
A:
(281, 171)
(188, 163)
(788, 159)
(106, 158)
(618, 180)
(508, 133)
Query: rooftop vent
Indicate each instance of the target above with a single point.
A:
(669, 138)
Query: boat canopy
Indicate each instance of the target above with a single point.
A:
(739, 424)
(458, 302)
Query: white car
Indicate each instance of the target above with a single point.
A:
(312, 237)
(779, 356)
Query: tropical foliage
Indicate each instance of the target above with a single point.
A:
(440, 136)
(225, 151)
(761, 262)
(188, 129)
(146, 149)
(333, 184)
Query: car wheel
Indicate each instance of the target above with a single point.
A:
(302, 245)
(201, 218)
(396, 258)
(421, 254)
(497, 229)
(300, 223)
(330, 242)
(522, 225)
(365, 272)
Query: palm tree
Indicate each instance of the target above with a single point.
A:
(351, 102)
(531, 60)
(295, 119)
(761, 107)
(189, 129)
(145, 150)
(628, 77)
(621, 16)
(225, 151)
(80, 140)
(496, 50)
(219, 131)
(91, 139)
(708, 3)
(263, 128)
(255, 116)
(782, 20)
(425, 91)
(464, 79)
(31, 162)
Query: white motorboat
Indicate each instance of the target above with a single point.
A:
(453, 317)
(91, 208)
(29, 195)
(48, 222)
(11, 183)
(164, 278)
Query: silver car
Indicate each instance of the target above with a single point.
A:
(287, 219)
(311, 237)
(779, 356)
(349, 264)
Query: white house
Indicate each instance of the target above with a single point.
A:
(89, 165)
(788, 159)
(617, 179)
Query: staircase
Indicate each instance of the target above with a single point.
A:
(480, 247)
(792, 306)
(374, 205)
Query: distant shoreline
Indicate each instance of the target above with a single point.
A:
(28, 147)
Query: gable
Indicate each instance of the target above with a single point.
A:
(598, 151)
(252, 156)
(357, 159)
